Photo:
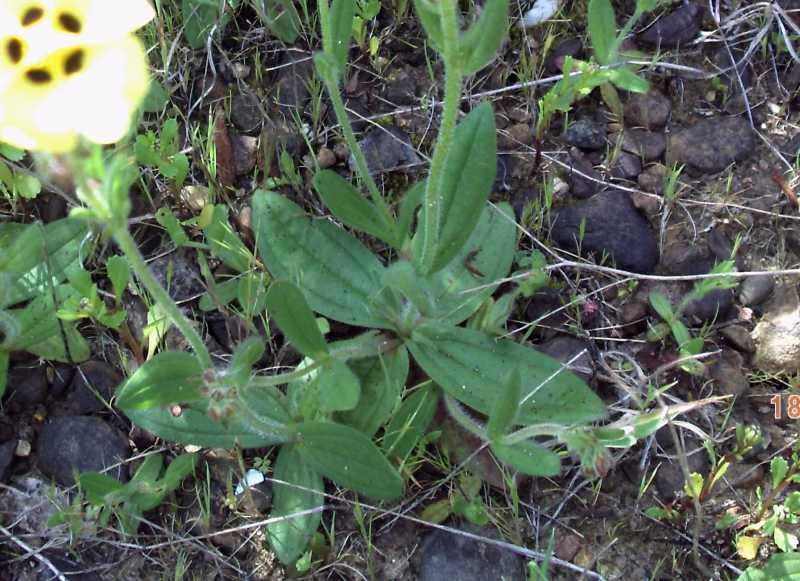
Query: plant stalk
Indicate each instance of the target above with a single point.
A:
(432, 216)
(137, 263)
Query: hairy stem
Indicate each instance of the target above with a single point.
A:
(432, 216)
(137, 263)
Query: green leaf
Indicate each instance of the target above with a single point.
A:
(626, 79)
(251, 292)
(410, 422)
(480, 43)
(466, 182)
(149, 469)
(349, 206)
(223, 293)
(661, 306)
(289, 538)
(780, 567)
(472, 367)
(27, 186)
(505, 407)
(428, 13)
(485, 257)
(199, 17)
(778, 468)
(408, 206)
(42, 263)
(11, 153)
(288, 307)
(602, 30)
(193, 426)
(119, 273)
(178, 469)
(528, 458)
(97, 486)
(280, 16)
(157, 98)
(330, 388)
(172, 225)
(341, 27)
(382, 381)
(785, 540)
(339, 276)
(225, 243)
(169, 377)
(350, 459)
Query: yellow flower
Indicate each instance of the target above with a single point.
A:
(70, 68)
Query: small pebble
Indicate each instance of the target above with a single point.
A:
(326, 158)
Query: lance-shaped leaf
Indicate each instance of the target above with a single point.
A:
(347, 204)
(602, 30)
(350, 459)
(528, 458)
(472, 367)
(341, 27)
(288, 307)
(169, 377)
(480, 43)
(466, 182)
(382, 381)
(428, 14)
(410, 422)
(505, 407)
(339, 276)
(288, 538)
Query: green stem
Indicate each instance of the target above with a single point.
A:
(361, 162)
(452, 92)
(137, 263)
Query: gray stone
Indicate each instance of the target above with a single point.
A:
(72, 444)
(714, 306)
(611, 226)
(580, 186)
(627, 166)
(586, 134)
(245, 153)
(246, 113)
(727, 374)
(675, 29)
(386, 148)
(669, 480)
(565, 348)
(652, 179)
(739, 338)
(754, 290)
(448, 556)
(648, 145)
(291, 86)
(649, 110)
(777, 335)
(6, 458)
(555, 58)
(27, 386)
(711, 145)
(93, 385)
(401, 88)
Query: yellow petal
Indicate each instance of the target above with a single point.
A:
(747, 547)
(95, 96)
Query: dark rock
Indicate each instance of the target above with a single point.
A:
(92, 387)
(448, 556)
(739, 338)
(401, 88)
(51, 207)
(544, 309)
(792, 147)
(386, 148)
(652, 179)
(649, 110)
(633, 317)
(6, 459)
(326, 158)
(246, 112)
(711, 145)
(586, 134)
(713, 307)
(554, 62)
(754, 290)
(79, 443)
(520, 133)
(650, 204)
(522, 200)
(179, 274)
(612, 226)
(745, 476)
(245, 153)
(291, 85)
(685, 259)
(727, 374)
(675, 29)
(61, 376)
(720, 245)
(627, 166)
(646, 144)
(580, 185)
(669, 480)
(565, 348)
(27, 386)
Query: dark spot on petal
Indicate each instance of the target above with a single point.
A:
(74, 62)
(39, 76)
(69, 22)
(31, 16)
(14, 50)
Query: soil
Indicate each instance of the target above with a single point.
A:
(734, 199)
